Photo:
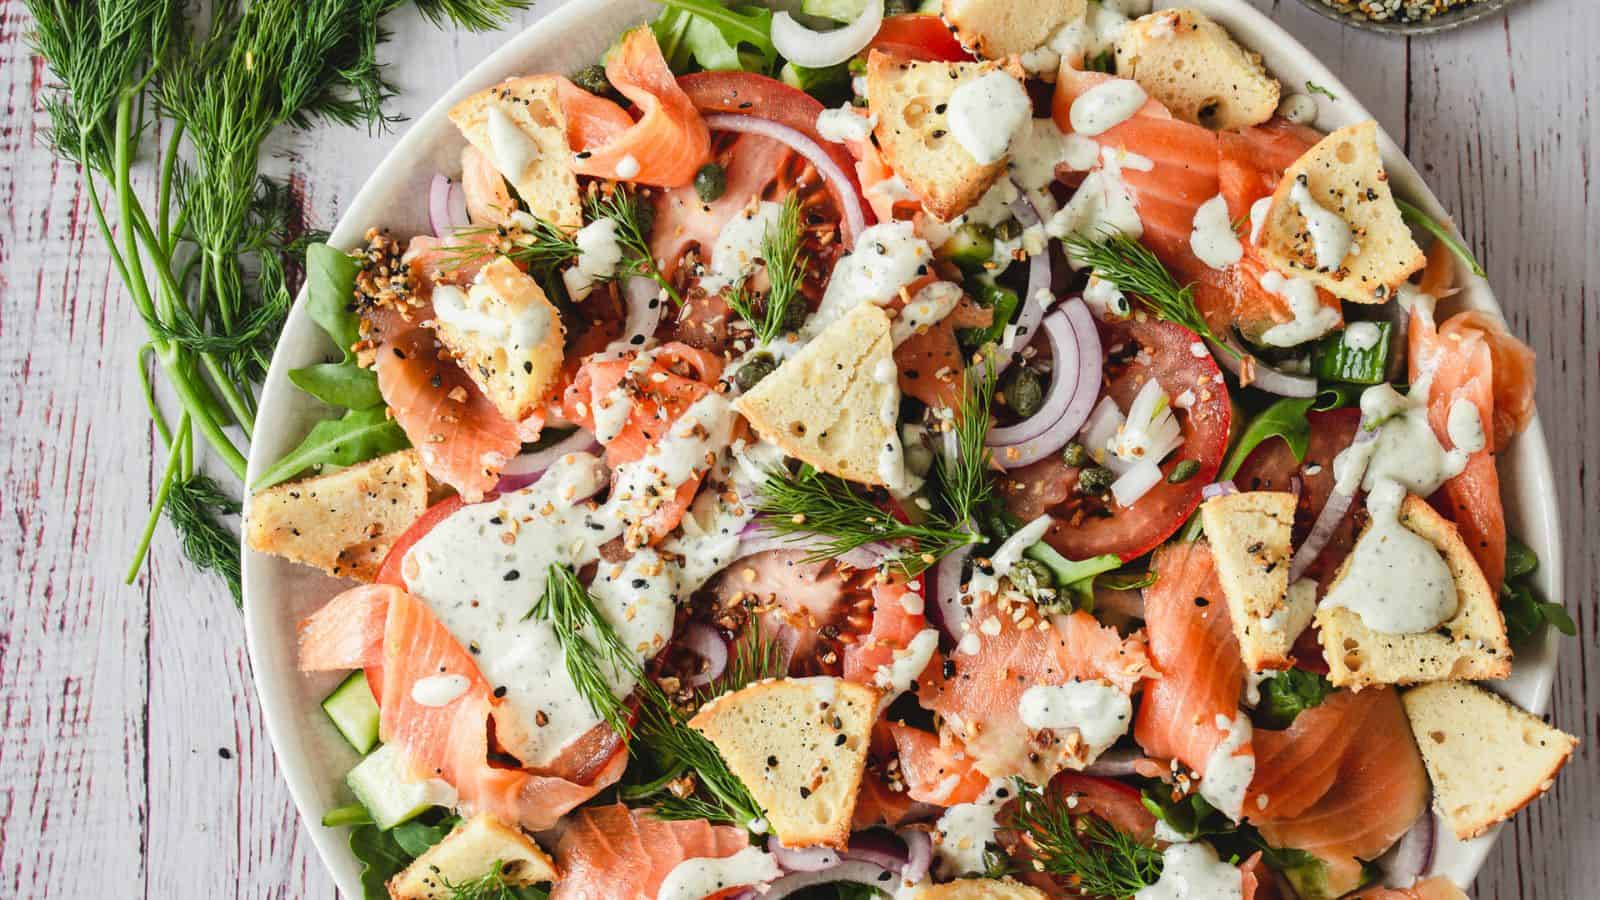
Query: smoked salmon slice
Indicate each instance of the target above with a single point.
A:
(463, 438)
(346, 633)
(897, 618)
(617, 853)
(1459, 365)
(1295, 767)
(978, 693)
(668, 143)
(751, 164)
(936, 768)
(1193, 649)
(1437, 888)
(1376, 795)
(931, 366)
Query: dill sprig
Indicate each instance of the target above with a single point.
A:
(589, 645)
(780, 256)
(964, 481)
(754, 657)
(633, 220)
(194, 505)
(677, 746)
(1089, 853)
(1137, 272)
(491, 885)
(543, 248)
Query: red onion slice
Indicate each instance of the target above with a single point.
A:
(919, 855)
(852, 870)
(839, 181)
(1327, 521)
(447, 206)
(1036, 297)
(947, 592)
(1074, 386)
(802, 859)
(1265, 377)
(705, 643)
(820, 49)
(526, 468)
(879, 847)
(1117, 763)
(1218, 489)
(1412, 856)
(643, 299)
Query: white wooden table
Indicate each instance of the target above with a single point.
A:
(132, 758)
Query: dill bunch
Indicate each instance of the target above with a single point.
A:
(194, 506)
(1136, 271)
(1085, 851)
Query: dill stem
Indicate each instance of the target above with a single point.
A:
(169, 162)
(145, 383)
(175, 456)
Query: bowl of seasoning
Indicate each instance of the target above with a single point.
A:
(1407, 16)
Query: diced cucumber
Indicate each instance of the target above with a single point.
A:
(831, 85)
(340, 816)
(970, 247)
(1358, 354)
(354, 712)
(382, 785)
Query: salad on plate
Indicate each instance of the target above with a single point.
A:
(984, 452)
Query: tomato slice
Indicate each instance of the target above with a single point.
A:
(749, 94)
(389, 572)
(1272, 467)
(919, 36)
(1091, 526)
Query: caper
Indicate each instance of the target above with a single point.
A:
(1095, 479)
(710, 182)
(1023, 390)
(1183, 471)
(794, 315)
(757, 367)
(1027, 572)
(1074, 454)
(1009, 230)
(593, 79)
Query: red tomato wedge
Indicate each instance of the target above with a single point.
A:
(617, 853)
(1088, 526)
(749, 94)
(920, 37)
(1272, 467)
(667, 144)
(1196, 655)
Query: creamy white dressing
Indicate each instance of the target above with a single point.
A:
(511, 149)
(928, 306)
(599, 255)
(1312, 319)
(611, 411)
(986, 579)
(482, 312)
(1405, 449)
(1258, 218)
(627, 167)
(1396, 580)
(709, 538)
(1106, 105)
(1192, 871)
(686, 450)
(1300, 109)
(1103, 205)
(1464, 426)
(1105, 299)
(439, 690)
(737, 249)
(845, 124)
(1096, 32)
(1362, 335)
(895, 676)
(887, 257)
(985, 112)
(1212, 238)
(1228, 772)
(1099, 712)
(966, 830)
(1331, 236)
(700, 877)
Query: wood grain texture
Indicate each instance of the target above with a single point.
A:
(117, 702)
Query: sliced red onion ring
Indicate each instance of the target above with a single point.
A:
(1036, 297)
(802, 859)
(1116, 763)
(852, 870)
(839, 181)
(1327, 521)
(820, 49)
(447, 206)
(947, 592)
(643, 297)
(1218, 489)
(879, 847)
(526, 468)
(1074, 386)
(1266, 378)
(919, 855)
(704, 642)
(1412, 856)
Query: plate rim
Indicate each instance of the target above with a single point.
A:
(283, 411)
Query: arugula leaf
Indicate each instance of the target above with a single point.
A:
(343, 384)
(1288, 694)
(381, 859)
(1074, 576)
(714, 35)
(1190, 815)
(1284, 419)
(416, 837)
(359, 435)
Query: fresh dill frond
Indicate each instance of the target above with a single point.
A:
(754, 657)
(633, 219)
(964, 481)
(808, 503)
(780, 256)
(1136, 271)
(474, 15)
(1313, 88)
(663, 729)
(195, 505)
(542, 249)
(491, 885)
(1091, 854)
(672, 808)
(589, 644)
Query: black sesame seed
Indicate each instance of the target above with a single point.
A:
(513, 575)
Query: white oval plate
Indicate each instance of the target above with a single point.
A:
(277, 593)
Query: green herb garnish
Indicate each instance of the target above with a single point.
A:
(1137, 272)
(1313, 88)
(1526, 612)
(1096, 858)
(780, 256)
(1288, 694)
(1416, 218)
(589, 644)
(633, 220)
(491, 885)
(1074, 578)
